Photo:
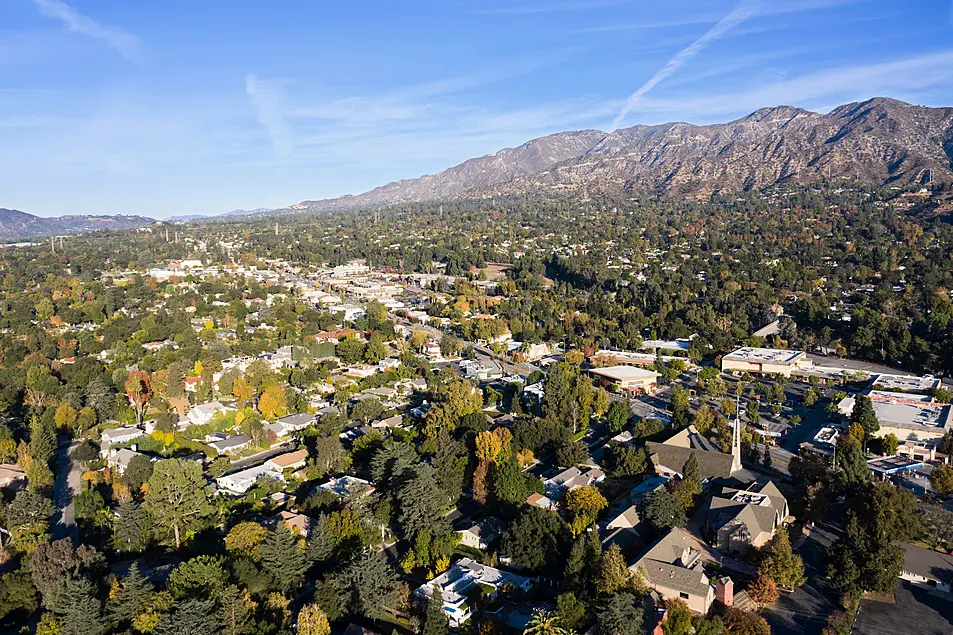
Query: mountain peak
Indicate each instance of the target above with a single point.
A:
(873, 142)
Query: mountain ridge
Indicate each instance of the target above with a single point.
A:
(877, 142)
(17, 224)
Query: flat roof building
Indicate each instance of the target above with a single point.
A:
(906, 415)
(629, 379)
(766, 361)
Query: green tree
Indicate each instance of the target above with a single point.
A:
(435, 622)
(191, 617)
(864, 414)
(614, 575)
(535, 540)
(422, 503)
(283, 558)
(678, 620)
(178, 498)
(780, 563)
(620, 615)
(941, 478)
(131, 598)
(369, 585)
(664, 510)
(573, 613)
(131, 528)
(202, 575)
(618, 416)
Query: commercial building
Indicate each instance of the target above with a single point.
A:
(464, 578)
(628, 379)
(765, 361)
(909, 416)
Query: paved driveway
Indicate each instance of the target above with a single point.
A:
(66, 485)
(805, 611)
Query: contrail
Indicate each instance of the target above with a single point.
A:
(744, 10)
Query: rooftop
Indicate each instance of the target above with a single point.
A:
(623, 373)
(905, 383)
(893, 464)
(765, 355)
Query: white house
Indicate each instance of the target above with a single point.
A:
(112, 437)
(202, 414)
(459, 581)
(119, 460)
(241, 482)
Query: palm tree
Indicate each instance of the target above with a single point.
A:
(545, 623)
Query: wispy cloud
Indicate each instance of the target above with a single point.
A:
(124, 42)
(742, 11)
(906, 79)
(266, 99)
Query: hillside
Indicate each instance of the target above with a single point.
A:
(876, 142)
(15, 224)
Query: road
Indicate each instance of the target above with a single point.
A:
(66, 485)
(261, 457)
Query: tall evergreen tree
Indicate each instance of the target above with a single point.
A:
(131, 599)
(191, 617)
(422, 503)
(436, 622)
(283, 558)
(620, 615)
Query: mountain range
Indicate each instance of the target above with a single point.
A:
(876, 142)
(17, 224)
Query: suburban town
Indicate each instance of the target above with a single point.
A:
(524, 317)
(375, 448)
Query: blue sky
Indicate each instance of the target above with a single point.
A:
(199, 107)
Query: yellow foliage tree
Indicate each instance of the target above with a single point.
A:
(272, 403)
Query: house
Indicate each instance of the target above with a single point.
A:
(673, 567)
(432, 351)
(241, 482)
(202, 414)
(344, 485)
(459, 582)
(119, 460)
(390, 422)
(387, 364)
(231, 444)
(299, 524)
(481, 534)
(630, 380)
(571, 478)
(295, 422)
(288, 461)
(109, 438)
(538, 500)
(12, 477)
(743, 518)
(350, 312)
(927, 568)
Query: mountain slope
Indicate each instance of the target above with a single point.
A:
(876, 142)
(484, 172)
(17, 224)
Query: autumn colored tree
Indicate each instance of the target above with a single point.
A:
(242, 390)
(272, 403)
(584, 503)
(138, 388)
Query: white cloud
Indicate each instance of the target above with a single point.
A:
(742, 11)
(124, 42)
(266, 99)
(902, 79)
